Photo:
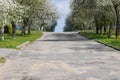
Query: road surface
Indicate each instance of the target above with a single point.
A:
(62, 56)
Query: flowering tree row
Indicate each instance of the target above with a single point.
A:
(29, 14)
(101, 15)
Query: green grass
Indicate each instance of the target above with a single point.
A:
(12, 43)
(2, 60)
(102, 38)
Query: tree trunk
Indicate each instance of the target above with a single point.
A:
(101, 27)
(13, 29)
(105, 28)
(2, 33)
(29, 30)
(117, 22)
(24, 27)
(40, 28)
(83, 26)
(97, 29)
(29, 26)
(97, 25)
(23, 30)
(110, 28)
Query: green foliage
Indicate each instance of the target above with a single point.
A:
(40, 13)
(98, 15)
(8, 29)
(28, 14)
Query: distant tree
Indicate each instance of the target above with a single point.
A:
(39, 13)
(103, 14)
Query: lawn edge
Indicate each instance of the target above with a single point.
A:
(23, 45)
(100, 42)
(20, 46)
(108, 45)
(26, 43)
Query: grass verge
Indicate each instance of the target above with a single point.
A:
(102, 39)
(2, 60)
(12, 43)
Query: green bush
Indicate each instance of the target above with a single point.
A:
(8, 29)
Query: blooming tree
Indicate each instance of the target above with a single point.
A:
(41, 13)
(100, 14)
(27, 13)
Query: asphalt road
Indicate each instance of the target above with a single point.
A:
(62, 56)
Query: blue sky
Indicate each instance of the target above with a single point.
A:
(63, 9)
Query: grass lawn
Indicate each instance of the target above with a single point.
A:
(12, 43)
(102, 38)
(2, 60)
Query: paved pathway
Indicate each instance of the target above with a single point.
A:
(6, 52)
(63, 56)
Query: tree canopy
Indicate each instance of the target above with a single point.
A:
(30, 14)
(101, 15)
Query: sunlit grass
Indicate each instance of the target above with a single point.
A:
(12, 43)
(102, 38)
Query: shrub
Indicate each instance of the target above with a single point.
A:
(8, 29)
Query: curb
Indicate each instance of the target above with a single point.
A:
(78, 32)
(107, 45)
(22, 45)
